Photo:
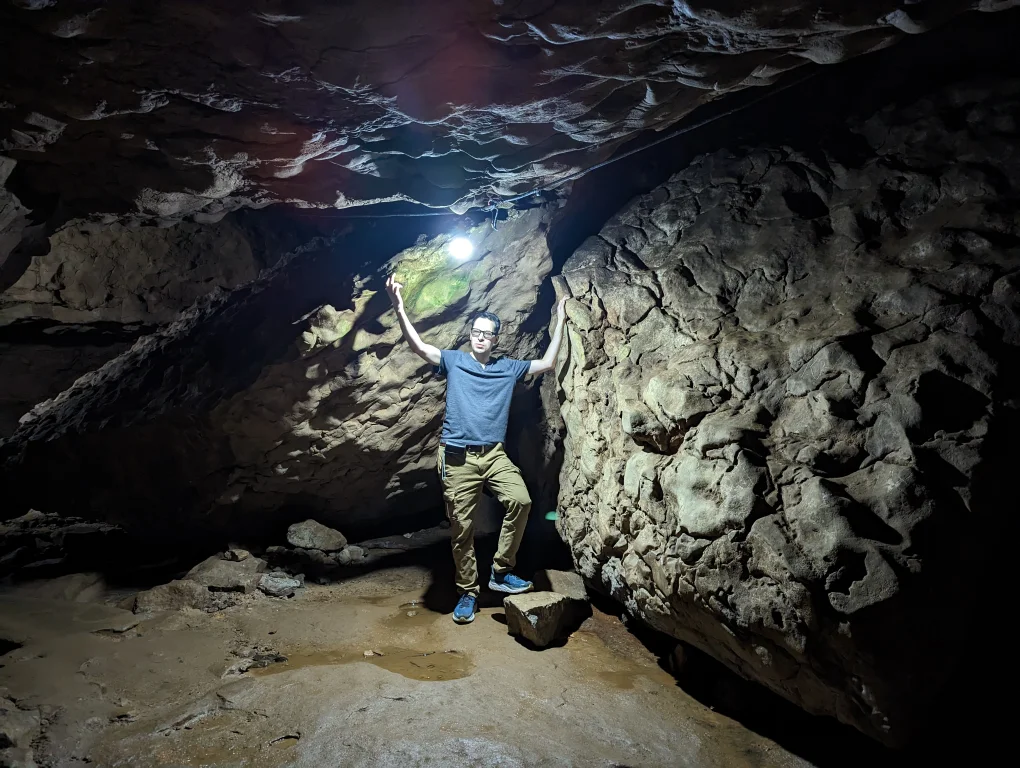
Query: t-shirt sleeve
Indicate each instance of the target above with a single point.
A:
(520, 368)
(445, 361)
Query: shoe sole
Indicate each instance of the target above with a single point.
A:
(468, 620)
(509, 590)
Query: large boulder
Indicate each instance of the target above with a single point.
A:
(219, 574)
(174, 596)
(788, 401)
(312, 534)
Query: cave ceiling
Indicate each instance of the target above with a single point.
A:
(188, 110)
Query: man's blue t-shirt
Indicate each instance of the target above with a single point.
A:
(477, 398)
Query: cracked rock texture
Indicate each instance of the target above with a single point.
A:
(35, 372)
(790, 392)
(94, 289)
(136, 275)
(291, 396)
(173, 110)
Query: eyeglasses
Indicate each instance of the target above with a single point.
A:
(477, 333)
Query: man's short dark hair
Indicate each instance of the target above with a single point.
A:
(486, 316)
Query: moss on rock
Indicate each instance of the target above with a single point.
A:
(432, 279)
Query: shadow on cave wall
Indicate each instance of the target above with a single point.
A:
(160, 412)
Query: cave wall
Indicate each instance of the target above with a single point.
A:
(292, 392)
(789, 399)
(33, 372)
(94, 288)
(96, 273)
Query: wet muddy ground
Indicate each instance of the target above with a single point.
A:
(367, 672)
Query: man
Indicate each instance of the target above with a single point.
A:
(471, 455)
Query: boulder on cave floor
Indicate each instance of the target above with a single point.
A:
(567, 583)
(215, 573)
(540, 617)
(350, 555)
(175, 596)
(315, 563)
(312, 534)
(279, 584)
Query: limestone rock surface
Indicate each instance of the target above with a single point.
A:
(174, 596)
(35, 371)
(93, 289)
(279, 584)
(216, 573)
(790, 394)
(142, 275)
(538, 617)
(566, 583)
(312, 534)
(324, 405)
(444, 102)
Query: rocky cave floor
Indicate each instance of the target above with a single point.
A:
(368, 670)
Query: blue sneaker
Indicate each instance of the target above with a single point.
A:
(508, 583)
(464, 613)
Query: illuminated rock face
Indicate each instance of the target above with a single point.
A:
(172, 110)
(789, 401)
(295, 390)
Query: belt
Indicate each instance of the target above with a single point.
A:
(485, 448)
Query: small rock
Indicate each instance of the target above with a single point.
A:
(314, 535)
(316, 557)
(350, 555)
(571, 586)
(236, 555)
(224, 575)
(568, 584)
(278, 584)
(540, 617)
(175, 596)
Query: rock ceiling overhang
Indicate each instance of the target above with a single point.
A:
(191, 109)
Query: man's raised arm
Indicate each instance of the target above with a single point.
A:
(548, 361)
(423, 350)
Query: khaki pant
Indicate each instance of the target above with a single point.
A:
(463, 476)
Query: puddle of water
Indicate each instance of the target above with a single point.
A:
(412, 614)
(417, 665)
(407, 614)
(598, 661)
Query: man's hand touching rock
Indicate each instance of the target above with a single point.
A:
(393, 289)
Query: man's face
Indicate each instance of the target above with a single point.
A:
(479, 330)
